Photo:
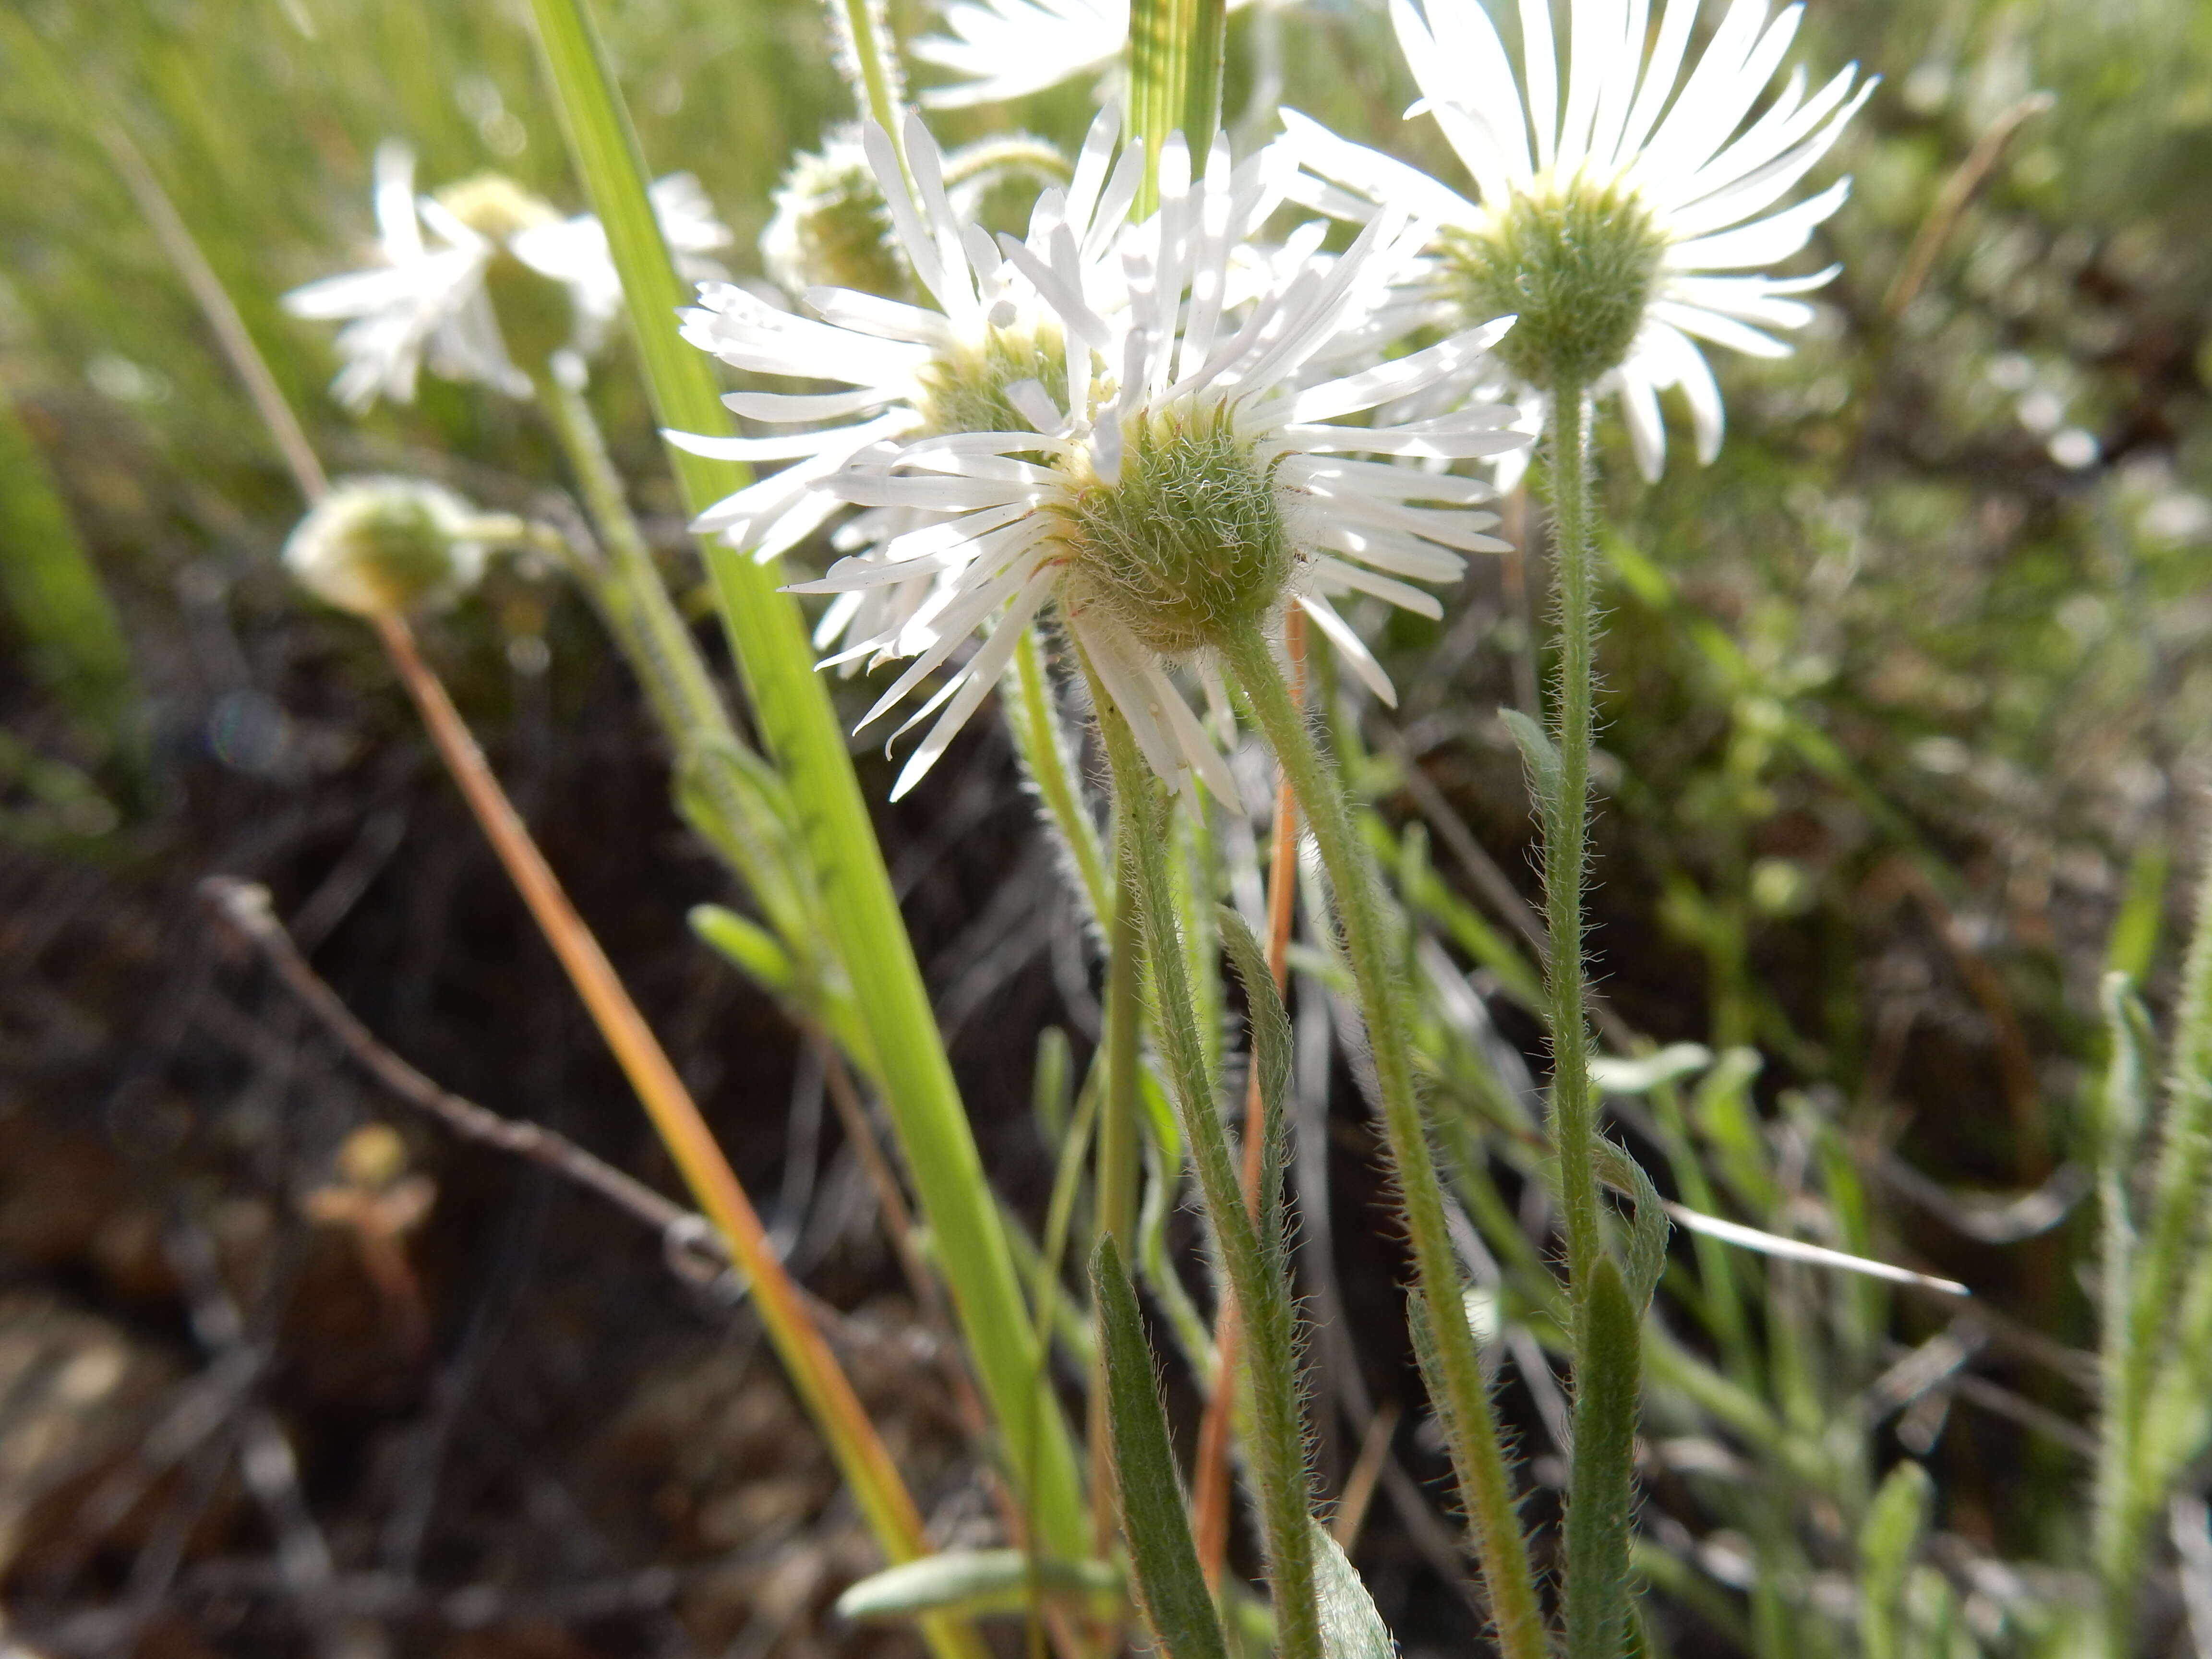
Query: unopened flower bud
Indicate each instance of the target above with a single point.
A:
(382, 547)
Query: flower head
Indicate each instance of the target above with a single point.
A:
(1192, 480)
(1631, 218)
(383, 546)
(475, 275)
(908, 372)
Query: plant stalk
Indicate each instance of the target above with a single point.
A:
(1210, 1482)
(1258, 1279)
(1485, 1479)
(674, 674)
(1606, 1361)
(1116, 1178)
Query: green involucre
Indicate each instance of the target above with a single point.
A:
(1577, 266)
(1191, 546)
(965, 390)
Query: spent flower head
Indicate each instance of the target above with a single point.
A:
(1191, 479)
(478, 275)
(1625, 220)
(386, 546)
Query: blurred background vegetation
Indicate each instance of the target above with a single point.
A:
(1905, 743)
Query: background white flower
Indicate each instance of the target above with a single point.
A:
(1011, 48)
(427, 302)
(1676, 148)
(1207, 491)
(574, 252)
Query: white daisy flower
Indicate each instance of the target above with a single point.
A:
(1205, 485)
(438, 297)
(909, 372)
(1627, 220)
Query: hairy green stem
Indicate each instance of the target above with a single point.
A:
(630, 592)
(1259, 1281)
(1486, 1478)
(1116, 1185)
(1039, 738)
(1602, 1481)
(1566, 835)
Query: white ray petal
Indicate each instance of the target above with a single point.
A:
(1350, 645)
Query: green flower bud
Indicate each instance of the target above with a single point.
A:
(537, 314)
(1576, 263)
(1191, 545)
(381, 547)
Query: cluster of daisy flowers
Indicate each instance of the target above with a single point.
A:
(1118, 419)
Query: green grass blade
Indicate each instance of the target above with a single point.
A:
(799, 729)
(1175, 49)
(71, 639)
(1887, 1543)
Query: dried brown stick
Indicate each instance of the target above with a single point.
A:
(245, 906)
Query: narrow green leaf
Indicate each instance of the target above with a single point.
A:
(1602, 1483)
(799, 729)
(1647, 1238)
(2124, 1100)
(1887, 1541)
(1170, 1586)
(751, 947)
(1351, 1628)
(1639, 1074)
(976, 1583)
(1537, 753)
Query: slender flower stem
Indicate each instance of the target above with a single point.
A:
(1117, 1181)
(861, 1457)
(1486, 1480)
(1262, 1290)
(1566, 833)
(1606, 1328)
(1038, 736)
(1210, 1484)
(637, 600)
